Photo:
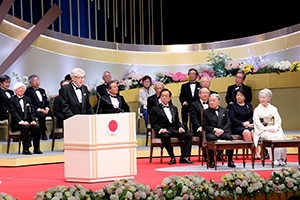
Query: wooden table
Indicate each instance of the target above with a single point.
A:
(234, 144)
(277, 144)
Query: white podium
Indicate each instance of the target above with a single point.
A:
(100, 147)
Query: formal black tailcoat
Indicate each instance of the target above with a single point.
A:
(107, 107)
(195, 115)
(70, 103)
(230, 93)
(4, 103)
(186, 94)
(36, 103)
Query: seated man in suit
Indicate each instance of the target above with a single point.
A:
(39, 102)
(165, 121)
(188, 94)
(23, 119)
(205, 82)
(239, 83)
(75, 96)
(5, 95)
(112, 102)
(216, 125)
(101, 89)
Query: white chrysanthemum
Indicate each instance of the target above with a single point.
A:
(250, 189)
(114, 197)
(244, 183)
(239, 190)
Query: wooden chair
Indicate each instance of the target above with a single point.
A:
(196, 141)
(156, 142)
(56, 131)
(12, 135)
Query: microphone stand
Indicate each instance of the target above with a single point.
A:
(100, 97)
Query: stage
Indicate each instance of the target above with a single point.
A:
(28, 175)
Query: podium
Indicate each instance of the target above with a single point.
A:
(100, 147)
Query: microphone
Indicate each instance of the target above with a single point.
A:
(100, 97)
(98, 103)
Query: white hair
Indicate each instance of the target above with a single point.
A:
(17, 85)
(215, 95)
(159, 83)
(267, 92)
(203, 77)
(75, 71)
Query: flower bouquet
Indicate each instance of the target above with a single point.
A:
(187, 187)
(124, 189)
(164, 77)
(295, 66)
(286, 180)
(4, 196)
(242, 183)
(180, 77)
(218, 62)
(234, 66)
(272, 66)
(74, 192)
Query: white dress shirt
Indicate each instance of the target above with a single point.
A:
(114, 101)
(192, 86)
(168, 113)
(205, 105)
(77, 92)
(39, 95)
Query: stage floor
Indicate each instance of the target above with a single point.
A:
(24, 182)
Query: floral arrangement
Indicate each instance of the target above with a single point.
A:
(124, 189)
(286, 180)
(233, 67)
(93, 86)
(186, 187)
(51, 97)
(217, 61)
(4, 196)
(74, 192)
(295, 66)
(242, 183)
(24, 79)
(205, 70)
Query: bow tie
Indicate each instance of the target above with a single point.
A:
(193, 82)
(163, 106)
(217, 109)
(77, 88)
(113, 96)
(19, 98)
(204, 102)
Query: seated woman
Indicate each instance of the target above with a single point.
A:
(144, 93)
(267, 125)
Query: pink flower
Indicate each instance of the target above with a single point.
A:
(245, 178)
(192, 187)
(137, 195)
(159, 192)
(127, 185)
(290, 184)
(294, 170)
(185, 196)
(221, 183)
(238, 182)
(119, 191)
(147, 191)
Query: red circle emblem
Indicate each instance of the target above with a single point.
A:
(112, 127)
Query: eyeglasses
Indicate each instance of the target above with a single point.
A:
(81, 77)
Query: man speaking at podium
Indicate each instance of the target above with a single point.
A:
(112, 102)
(75, 96)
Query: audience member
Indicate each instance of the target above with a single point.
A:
(239, 83)
(216, 125)
(188, 94)
(112, 102)
(68, 78)
(75, 96)
(205, 82)
(102, 89)
(23, 119)
(267, 125)
(143, 95)
(5, 95)
(241, 114)
(39, 103)
(165, 121)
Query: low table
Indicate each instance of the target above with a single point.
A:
(277, 144)
(234, 144)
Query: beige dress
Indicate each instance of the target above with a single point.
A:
(268, 117)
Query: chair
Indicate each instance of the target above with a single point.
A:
(12, 135)
(140, 115)
(56, 131)
(196, 141)
(156, 142)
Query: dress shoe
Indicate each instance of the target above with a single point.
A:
(185, 160)
(44, 137)
(231, 164)
(172, 161)
(26, 152)
(37, 151)
(212, 165)
(219, 158)
(267, 156)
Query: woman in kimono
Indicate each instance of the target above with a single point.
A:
(267, 125)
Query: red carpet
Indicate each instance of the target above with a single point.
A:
(24, 182)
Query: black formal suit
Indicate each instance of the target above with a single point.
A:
(153, 101)
(196, 107)
(17, 115)
(4, 103)
(70, 102)
(230, 93)
(57, 110)
(239, 114)
(211, 121)
(101, 89)
(186, 96)
(159, 120)
(107, 107)
(36, 104)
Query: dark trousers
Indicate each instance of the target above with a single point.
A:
(35, 134)
(213, 137)
(185, 136)
(42, 120)
(185, 114)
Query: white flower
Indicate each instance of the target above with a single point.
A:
(55, 198)
(184, 188)
(143, 195)
(114, 197)
(178, 198)
(59, 195)
(244, 183)
(211, 190)
(49, 195)
(250, 189)
(129, 195)
(282, 186)
(239, 190)
(71, 198)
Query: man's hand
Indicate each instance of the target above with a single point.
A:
(164, 131)
(272, 130)
(33, 123)
(218, 132)
(181, 130)
(199, 129)
(25, 123)
(185, 103)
